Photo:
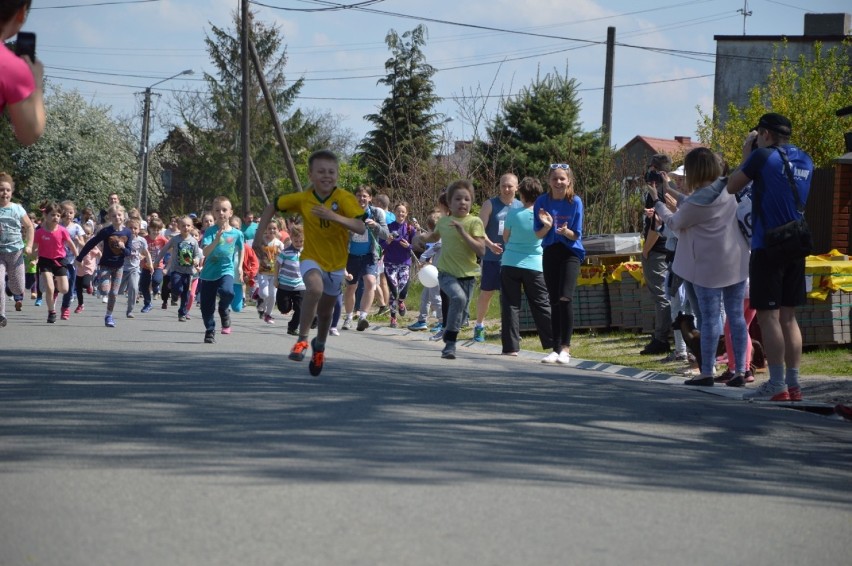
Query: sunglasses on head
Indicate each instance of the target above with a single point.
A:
(559, 166)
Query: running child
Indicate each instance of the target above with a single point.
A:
(288, 279)
(328, 213)
(133, 265)
(267, 268)
(115, 238)
(184, 256)
(87, 268)
(462, 238)
(50, 241)
(16, 243)
(223, 261)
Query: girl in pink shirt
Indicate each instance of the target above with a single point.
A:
(87, 269)
(50, 241)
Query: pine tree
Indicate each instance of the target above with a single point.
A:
(405, 130)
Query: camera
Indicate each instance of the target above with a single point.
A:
(25, 44)
(654, 177)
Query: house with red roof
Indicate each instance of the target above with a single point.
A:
(632, 159)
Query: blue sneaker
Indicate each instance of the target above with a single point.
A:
(38, 302)
(419, 325)
(479, 333)
(109, 321)
(146, 308)
(437, 328)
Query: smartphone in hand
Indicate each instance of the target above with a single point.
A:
(25, 44)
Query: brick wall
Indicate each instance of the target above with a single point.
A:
(842, 206)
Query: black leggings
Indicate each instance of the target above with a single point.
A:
(81, 284)
(561, 270)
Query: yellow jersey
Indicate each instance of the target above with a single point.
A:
(326, 242)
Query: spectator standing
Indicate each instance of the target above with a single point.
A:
(559, 222)
(782, 174)
(493, 215)
(656, 258)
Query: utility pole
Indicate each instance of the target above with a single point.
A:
(142, 192)
(142, 182)
(746, 13)
(606, 125)
(245, 169)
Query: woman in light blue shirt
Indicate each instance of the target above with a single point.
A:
(522, 270)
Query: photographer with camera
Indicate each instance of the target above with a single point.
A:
(782, 174)
(655, 257)
(21, 75)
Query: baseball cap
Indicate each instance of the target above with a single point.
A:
(776, 123)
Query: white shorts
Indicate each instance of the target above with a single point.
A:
(331, 280)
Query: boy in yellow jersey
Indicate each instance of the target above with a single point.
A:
(328, 215)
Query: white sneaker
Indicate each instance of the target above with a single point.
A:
(333, 331)
(564, 358)
(550, 358)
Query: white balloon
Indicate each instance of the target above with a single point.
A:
(428, 275)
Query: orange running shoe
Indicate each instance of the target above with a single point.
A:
(297, 354)
(315, 366)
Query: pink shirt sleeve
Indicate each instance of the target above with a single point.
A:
(16, 79)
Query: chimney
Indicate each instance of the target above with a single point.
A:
(828, 24)
(683, 140)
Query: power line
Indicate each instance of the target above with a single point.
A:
(113, 3)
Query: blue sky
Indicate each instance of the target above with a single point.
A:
(111, 51)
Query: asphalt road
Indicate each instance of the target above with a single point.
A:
(140, 445)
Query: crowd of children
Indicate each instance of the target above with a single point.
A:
(296, 269)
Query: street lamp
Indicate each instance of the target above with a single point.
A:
(142, 185)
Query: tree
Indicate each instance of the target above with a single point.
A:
(539, 126)
(210, 165)
(808, 91)
(84, 155)
(406, 128)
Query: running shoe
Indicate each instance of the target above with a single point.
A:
(317, 359)
(182, 318)
(439, 335)
(393, 323)
(65, 314)
(79, 309)
(449, 351)
(226, 321)
(19, 304)
(419, 325)
(363, 324)
(38, 302)
(795, 394)
(268, 319)
(333, 331)
(479, 333)
(297, 354)
(146, 308)
(347, 323)
(109, 321)
(210, 337)
(402, 309)
(564, 358)
(383, 309)
(226, 330)
(2, 321)
(130, 315)
(768, 391)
